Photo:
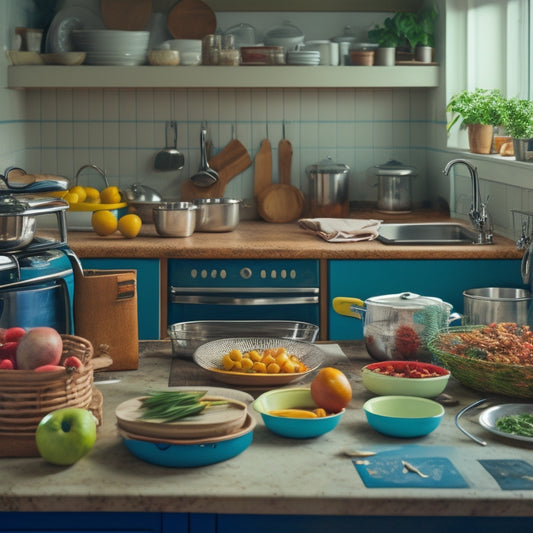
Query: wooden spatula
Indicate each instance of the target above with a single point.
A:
(126, 14)
(263, 168)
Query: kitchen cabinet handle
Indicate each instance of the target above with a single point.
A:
(233, 300)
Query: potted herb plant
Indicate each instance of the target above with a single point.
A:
(518, 123)
(426, 35)
(387, 39)
(481, 110)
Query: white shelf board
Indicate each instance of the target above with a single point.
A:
(50, 76)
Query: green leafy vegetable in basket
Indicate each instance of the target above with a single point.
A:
(170, 406)
(516, 424)
(475, 353)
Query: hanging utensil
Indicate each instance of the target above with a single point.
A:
(170, 158)
(205, 176)
(263, 167)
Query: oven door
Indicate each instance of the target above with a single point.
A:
(243, 290)
(232, 303)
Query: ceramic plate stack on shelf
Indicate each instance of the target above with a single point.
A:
(303, 57)
(220, 432)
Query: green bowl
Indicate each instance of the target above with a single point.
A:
(385, 385)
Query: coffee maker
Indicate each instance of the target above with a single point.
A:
(36, 271)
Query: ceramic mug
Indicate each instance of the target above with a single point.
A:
(329, 51)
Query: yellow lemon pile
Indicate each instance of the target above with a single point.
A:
(104, 223)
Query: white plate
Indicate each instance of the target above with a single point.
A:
(489, 417)
(58, 37)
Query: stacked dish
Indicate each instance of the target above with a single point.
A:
(112, 47)
(303, 57)
(220, 432)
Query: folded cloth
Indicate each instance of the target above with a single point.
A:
(342, 229)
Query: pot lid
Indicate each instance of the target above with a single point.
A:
(141, 193)
(284, 31)
(393, 168)
(327, 166)
(347, 36)
(407, 300)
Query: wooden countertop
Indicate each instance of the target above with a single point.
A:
(255, 239)
(308, 477)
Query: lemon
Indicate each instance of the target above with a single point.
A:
(104, 222)
(71, 198)
(110, 195)
(80, 191)
(92, 195)
(130, 225)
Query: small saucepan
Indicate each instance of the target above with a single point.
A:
(397, 326)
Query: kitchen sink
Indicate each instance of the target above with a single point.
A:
(430, 233)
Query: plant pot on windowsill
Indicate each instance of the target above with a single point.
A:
(523, 149)
(480, 138)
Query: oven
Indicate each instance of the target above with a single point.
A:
(235, 289)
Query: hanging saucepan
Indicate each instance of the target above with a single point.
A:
(397, 326)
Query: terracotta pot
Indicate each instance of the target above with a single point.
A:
(480, 138)
(362, 57)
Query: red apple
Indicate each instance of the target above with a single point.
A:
(39, 346)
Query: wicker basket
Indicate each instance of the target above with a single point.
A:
(26, 396)
(506, 379)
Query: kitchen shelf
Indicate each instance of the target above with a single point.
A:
(316, 5)
(84, 76)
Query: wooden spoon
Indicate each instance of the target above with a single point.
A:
(263, 168)
(191, 19)
(283, 202)
(126, 14)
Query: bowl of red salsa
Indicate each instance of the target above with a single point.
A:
(405, 378)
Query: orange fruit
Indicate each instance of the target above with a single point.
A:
(130, 225)
(104, 222)
(331, 390)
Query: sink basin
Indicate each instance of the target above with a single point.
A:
(426, 233)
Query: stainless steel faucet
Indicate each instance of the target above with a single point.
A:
(479, 215)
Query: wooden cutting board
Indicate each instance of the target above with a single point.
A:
(191, 19)
(126, 14)
(283, 202)
(229, 162)
(262, 168)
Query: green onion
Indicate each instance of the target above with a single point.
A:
(516, 424)
(170, 406)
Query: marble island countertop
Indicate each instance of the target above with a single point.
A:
(274, 475)
(253, 239)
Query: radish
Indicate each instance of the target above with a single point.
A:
(39, 346)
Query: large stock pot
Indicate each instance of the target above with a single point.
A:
(397, 326)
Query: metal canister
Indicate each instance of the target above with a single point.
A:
(394, 183)
(328, 189)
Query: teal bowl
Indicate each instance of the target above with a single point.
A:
(294, 428)
(403, 416)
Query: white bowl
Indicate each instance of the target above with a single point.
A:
(190, 58)
(184, 45)
(115, 58)
(111, 40)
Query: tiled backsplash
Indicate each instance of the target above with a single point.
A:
(122, 130)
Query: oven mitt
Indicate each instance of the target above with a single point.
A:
(342, 229)
(511, 474)
(394, 471)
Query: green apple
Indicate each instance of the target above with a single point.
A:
(65, 435)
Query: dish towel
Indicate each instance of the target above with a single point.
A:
(342, 229)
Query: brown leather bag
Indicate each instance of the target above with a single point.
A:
(105, 313)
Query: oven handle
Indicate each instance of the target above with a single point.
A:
(224, 296)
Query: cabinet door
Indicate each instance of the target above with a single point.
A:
(148, 290)
(87, 522)
(445, 279)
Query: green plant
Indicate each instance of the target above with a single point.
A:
(416, 29)
(480, 106)
(386, 35)
(518, 118)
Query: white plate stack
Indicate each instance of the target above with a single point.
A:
(303, 57)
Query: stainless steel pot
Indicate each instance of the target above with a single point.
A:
(175, 219)
(497, 304)
(328, 189)
(394, 183)
(16, 231)
(397, 326)
(217, 214)
(141, 200)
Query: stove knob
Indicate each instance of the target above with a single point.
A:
(246, 273)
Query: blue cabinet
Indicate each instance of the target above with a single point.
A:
(148, 290)
(446, 279)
